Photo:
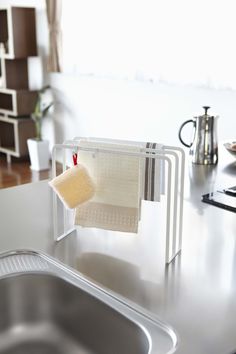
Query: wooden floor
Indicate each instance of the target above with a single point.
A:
(18, 172)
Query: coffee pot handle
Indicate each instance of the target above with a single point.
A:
(180, 130)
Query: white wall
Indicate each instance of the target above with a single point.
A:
(89, 106)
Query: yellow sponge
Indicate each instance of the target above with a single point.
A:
(74, 186)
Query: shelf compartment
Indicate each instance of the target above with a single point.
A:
(16, 74)
(18, 32)
(14, 134)
(4, 30)
(17, 102)
(6, 102)
(7, 140)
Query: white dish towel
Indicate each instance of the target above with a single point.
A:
(153, 170)
(116, 203)
(154, 175)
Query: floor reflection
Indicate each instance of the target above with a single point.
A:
(18, 172)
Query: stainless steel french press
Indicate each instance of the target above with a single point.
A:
(204, 146)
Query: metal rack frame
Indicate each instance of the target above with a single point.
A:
(174, 159)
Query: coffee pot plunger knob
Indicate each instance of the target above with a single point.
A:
(206, 109)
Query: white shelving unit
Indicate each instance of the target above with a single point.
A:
(17, 102)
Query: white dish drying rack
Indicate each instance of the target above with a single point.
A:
(173, 164)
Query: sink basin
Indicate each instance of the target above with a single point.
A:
(46, 308)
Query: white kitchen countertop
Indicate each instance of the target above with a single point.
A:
(196, 295)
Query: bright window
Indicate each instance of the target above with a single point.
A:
(180, 41)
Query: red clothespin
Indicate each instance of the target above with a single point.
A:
(75, 155)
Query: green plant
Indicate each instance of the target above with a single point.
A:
(40, 111)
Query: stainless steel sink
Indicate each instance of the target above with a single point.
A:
(47, 308)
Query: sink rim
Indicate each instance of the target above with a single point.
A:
(39, 262)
